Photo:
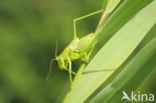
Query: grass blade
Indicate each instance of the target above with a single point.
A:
(143, 63)
(126, 11)
(113, 54)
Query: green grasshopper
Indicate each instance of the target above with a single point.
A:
(82, 48)
(79, 48)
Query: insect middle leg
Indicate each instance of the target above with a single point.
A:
(83, 17)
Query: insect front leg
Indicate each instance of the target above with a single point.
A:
(77, 54)
(84, 57)
(83, 17)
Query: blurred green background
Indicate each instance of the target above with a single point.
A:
(28, 33)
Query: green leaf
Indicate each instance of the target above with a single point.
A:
(111, 4)
(143, 64)
(129, 86)
(113, 54)
(126, 11)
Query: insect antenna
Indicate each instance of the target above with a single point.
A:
(50, 68)
(56, 48)
(51, 62)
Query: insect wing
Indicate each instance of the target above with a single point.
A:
(86, 42)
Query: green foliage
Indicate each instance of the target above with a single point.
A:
(143, 64)
(28, 33)
(112, 55)
(126, 11)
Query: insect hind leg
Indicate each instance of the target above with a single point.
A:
(83, 17)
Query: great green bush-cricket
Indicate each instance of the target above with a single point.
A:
(79, 48)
